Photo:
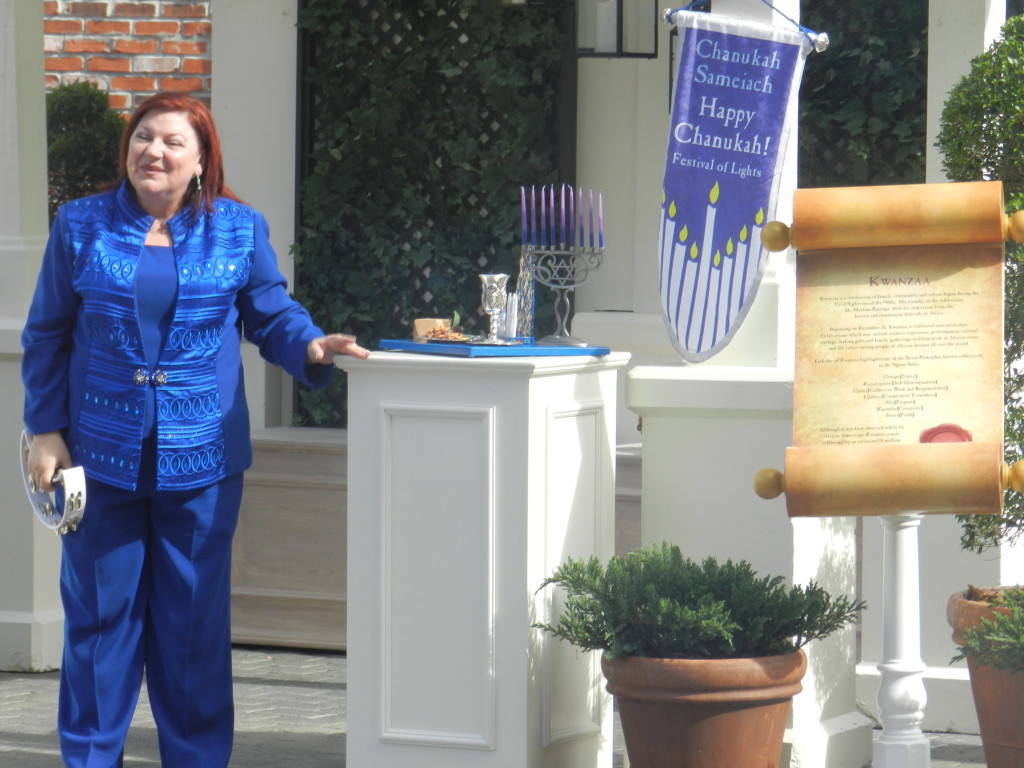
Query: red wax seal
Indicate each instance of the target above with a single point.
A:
(946, 433)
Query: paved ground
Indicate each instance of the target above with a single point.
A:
(290, 713)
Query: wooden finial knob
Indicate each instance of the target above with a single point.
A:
(1015, 226)
(1013, 476)
(769, 483)
(776, 236)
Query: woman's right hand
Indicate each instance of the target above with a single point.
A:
(47, 454)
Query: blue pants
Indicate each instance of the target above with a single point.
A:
(146, 587)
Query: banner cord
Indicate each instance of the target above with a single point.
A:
(818, 40)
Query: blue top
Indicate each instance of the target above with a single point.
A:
(156, 288)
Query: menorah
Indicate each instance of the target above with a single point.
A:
(561, 249)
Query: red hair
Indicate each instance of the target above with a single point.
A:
(209, 146)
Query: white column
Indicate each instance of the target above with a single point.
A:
(254, 53)
(31, 620)
(957, 32)
(901, 692)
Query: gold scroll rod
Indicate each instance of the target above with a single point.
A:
(771, 483)
(777, 236)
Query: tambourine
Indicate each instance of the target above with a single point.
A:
(59, 518)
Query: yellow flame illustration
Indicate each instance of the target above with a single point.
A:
(694, 253)
(672, 210)
(759, 218)
(743, 234)
(715, 192)
(684, 233)
(717, 261)
(729, 247)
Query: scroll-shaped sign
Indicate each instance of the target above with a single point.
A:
(898, 386)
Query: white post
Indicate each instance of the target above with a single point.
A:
(31, 619)
(957, 32)
(901, 692)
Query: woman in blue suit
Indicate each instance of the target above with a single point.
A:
(132, 369)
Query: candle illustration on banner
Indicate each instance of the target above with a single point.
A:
(688, 286)
(704, 268)
(755, 247)
(666, 239)
(723, 301)
(707, 320)
(677, 271)
(735, 292)
(679, 264)
(709, 220)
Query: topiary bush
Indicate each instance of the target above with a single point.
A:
(982, 138)
(657, 603)
(82, 136)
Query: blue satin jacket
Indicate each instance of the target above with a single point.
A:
(84, 368)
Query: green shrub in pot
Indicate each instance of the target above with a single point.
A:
(656, 602)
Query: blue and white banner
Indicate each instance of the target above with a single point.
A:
(734, 99)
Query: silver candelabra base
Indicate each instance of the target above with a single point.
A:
(563, 270)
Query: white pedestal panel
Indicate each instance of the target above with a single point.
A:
(470, 480)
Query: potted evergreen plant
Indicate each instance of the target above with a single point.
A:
(702, 657)
(988, 628)
(982, 138)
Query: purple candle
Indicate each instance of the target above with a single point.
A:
(533, 214)
(522, 205)
(552, 228)
(579, 212)
(600, 220)
(591, 209)
(572, 216)
(562, 238)
(543, 218)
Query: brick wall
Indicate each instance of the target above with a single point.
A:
(129, 49)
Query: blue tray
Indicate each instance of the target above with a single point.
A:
(460, 349)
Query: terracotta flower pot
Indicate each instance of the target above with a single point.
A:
(704, 713)
(998, 693)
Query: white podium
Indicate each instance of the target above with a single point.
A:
(470, 480)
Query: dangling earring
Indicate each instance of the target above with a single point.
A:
(199, 184)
